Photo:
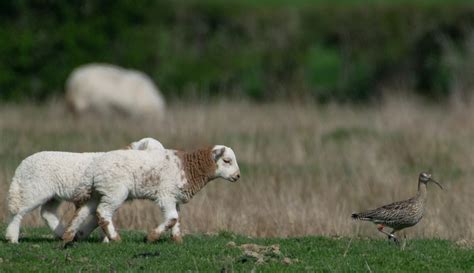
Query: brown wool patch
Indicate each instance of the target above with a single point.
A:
(151, 179)
(167, 157)
(81, 197)
(199, 168)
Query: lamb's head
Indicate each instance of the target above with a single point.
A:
(226, 163)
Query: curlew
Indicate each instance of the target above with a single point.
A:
(402, 214)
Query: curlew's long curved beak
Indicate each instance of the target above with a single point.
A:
(439, 185)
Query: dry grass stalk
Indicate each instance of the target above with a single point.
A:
(305, 169)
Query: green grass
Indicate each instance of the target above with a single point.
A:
(206, 253)
(293, 3)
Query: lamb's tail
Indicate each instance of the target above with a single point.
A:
(14, 197)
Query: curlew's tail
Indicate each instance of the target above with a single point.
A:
(363, 216)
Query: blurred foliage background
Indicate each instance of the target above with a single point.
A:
(345, 51)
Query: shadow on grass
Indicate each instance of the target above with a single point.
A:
(37, 240)
(31, 240)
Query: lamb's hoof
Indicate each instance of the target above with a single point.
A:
(11, 240)
(68, 236)
(116, 238)
(152, 237)
(177, 239)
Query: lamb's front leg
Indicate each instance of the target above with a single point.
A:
(82, 212)
(175, 231)
(88, 226)
(171, 219)
(109, 203)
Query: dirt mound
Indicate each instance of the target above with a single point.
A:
(261, 254)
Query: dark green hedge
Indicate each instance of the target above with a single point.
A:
(268, 50)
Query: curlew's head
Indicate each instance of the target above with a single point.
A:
(226, 163)
(426, 177)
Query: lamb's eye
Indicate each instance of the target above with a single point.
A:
(227, 161)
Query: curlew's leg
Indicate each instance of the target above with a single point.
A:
(390, 235)
(404, 241)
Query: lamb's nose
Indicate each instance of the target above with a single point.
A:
(238, 176)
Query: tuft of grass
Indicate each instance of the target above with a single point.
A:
(213, 253)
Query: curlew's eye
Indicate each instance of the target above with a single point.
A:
(226, 160)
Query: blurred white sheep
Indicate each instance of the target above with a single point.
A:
(108, 90)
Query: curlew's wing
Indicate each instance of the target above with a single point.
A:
(387, 213)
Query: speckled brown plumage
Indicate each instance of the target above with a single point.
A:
(402, 214)
(397, 215)
(199, 168)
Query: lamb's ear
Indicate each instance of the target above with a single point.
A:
(218, 153)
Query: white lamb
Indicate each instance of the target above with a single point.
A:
(167, 177)
(46, 178)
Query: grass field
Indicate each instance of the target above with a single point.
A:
(305, 169)
(214, 253)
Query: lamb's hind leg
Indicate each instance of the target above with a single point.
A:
(49, 212)
(13, 229)
(171, 219)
